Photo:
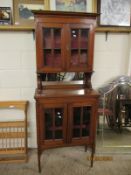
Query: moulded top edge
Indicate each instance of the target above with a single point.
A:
(63, 13)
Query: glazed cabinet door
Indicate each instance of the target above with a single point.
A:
(80, 125)
(53, 122)
(80, 47)
(50, 47)
(64, 47)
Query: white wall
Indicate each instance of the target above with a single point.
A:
(18, 67)
(129, 62)
(6, 3)
(18, 73)
(111, 57)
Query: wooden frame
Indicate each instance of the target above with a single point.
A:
(22, 11)
(112, 12)
(13, 134)
(86, 5)
(5, 15)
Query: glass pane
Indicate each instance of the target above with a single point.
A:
(57, 38)
(54, 123)
(86, 121)
(76, 116)
(47, 37)
(76, 132)
(48, 124)
(74, 57)
(48, 59)
(58, 134)
(83, 57)
(48, 134)
(57, 58)
(74, 38)
(52, 47)
(86, 115)
(58, 117)
(84, 38)
(76, 121)
(81, 121)
(85, 132)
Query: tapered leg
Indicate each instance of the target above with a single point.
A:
(39, 162)
(92, 154)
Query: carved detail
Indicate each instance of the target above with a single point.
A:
(87, 80)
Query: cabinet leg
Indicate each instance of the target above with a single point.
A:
(92, 155)
(39, 162)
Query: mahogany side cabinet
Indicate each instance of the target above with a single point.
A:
(66, 109)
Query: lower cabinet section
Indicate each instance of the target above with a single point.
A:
(66, 122)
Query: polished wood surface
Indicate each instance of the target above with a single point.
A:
(66, 93)
(66, 111)
(62, 13)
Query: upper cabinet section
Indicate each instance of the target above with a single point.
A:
(64, 41)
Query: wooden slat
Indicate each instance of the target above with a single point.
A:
(12, 124)
(14, 159)
(16, 28)
(114, 29)
(12, 151)
(14, 104)
(12, 135)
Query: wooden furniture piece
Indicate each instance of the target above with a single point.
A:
(66, 111)
(13, 134)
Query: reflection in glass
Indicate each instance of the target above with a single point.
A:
(74, 38)
(58, 117)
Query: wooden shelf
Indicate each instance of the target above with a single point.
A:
(16, 28)
(114, 29)
(98, 29)
(13, 134)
